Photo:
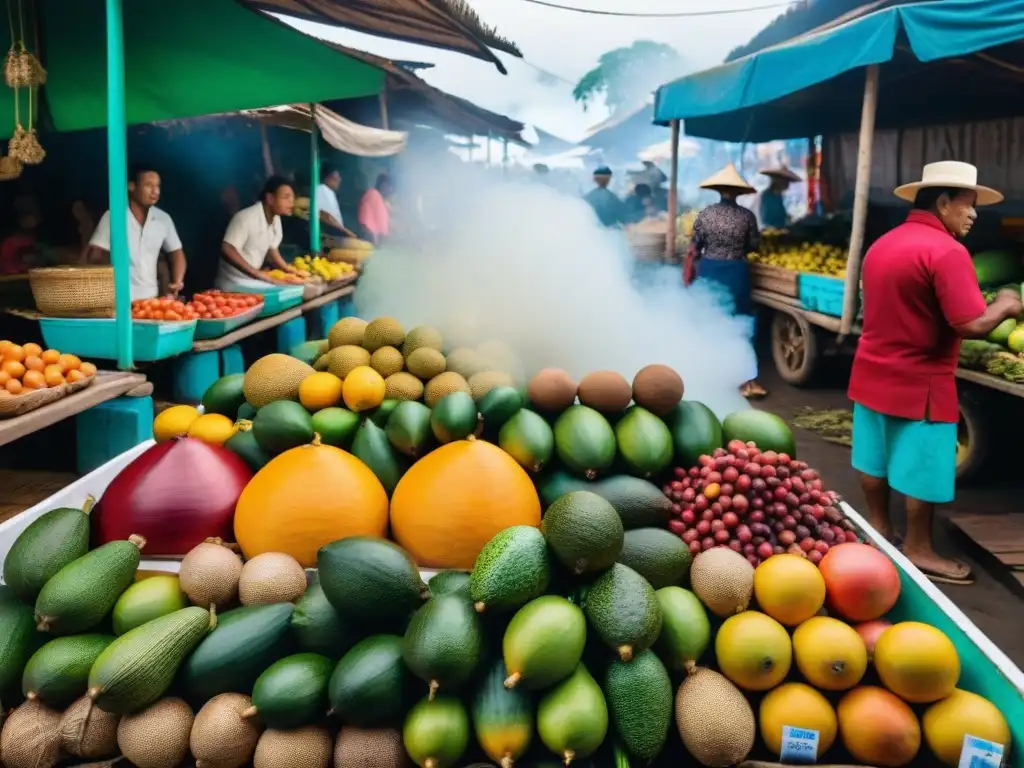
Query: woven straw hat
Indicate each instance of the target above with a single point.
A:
(949, 173)
(782, 172)
(728, 178)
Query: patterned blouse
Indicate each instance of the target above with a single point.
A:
(725, 231)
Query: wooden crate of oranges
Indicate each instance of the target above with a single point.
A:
(31, 377)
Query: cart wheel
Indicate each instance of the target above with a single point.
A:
(795, 348)
(972, 445)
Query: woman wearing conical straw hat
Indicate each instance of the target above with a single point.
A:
(771, 209)
(723, 235)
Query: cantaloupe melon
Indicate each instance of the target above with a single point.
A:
(457, 498)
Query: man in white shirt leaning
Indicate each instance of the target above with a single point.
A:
(327, 205)
(150, 231)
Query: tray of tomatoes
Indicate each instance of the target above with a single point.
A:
(165, 310)
(220, 313)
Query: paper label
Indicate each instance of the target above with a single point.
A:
(799, 745)
(979, 753)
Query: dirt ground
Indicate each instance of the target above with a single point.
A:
(994, 599)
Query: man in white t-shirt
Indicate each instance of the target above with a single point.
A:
(327, 205)
(150, 231)
(253, 236)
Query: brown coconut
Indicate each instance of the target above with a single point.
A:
(307, 747)
(272, 577)
(221, 737)
(31, 737)
(369, 748)
(552, 390)
(209, 574)
(605, 391)
(657, 388)
(88, 731)
(156, 737)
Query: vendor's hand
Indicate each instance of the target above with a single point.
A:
(1009, 301)
(176, 288)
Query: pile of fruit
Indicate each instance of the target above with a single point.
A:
(172, 310)
(286, 277)
(26, 368)
(814, 258)
(325, 269)
(1002, 353)
(215, 304)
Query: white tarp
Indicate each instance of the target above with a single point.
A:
(339, 132)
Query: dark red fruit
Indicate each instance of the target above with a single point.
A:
(708, 543)
(703, 527)
(695, 547)
(784, 458)
(708, 515)
(717, 525)
(722, 537)
(677, 527)
(770, 457)
(765, 550)
(727, 489)
(807, 544)
(688, 517)
(787, 538)
(740, 504)
(736, 445)
(690, 536)
(730, 474)
(679, 472)
(735, 546)
(821, 546)
(731, 519)
(743, 533)
(725, 502)
(814, 556)
(689, 495)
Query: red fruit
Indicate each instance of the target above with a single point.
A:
(784, 458)
(770, 457)
(757, 505)
(735, 546)
(707, 514)
(730, 474)
(861, 583)
(714, 476)
(743, 484)
(689, 495)
(757, 485)
(778, 550)
(791, 500)
(677, 527)
(765, 550)
(719, 452)
(807, 544)
(736, 445)
(743, 533)
(767, 470)
(752, 469)
(688, 517)
(731, 519)
(779, 493)
(725, 502)
(694, 472)
(743, 455)
(787, 538)
(717, 525)
(722, 536)
(700, 503)
(751, 445)
(721, 463)
(695, 547)
(821, 546)
(740, 504)
(726, 490)
(851, 536)
(703, 527)
(705, 471)
(749, 549)
(690, 535)
(815, 556)
(753, 560)
(679, 472)
(870, 631)
(706, 461)
(675, 485)
(708, 543)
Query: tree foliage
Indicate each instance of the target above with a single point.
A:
(625, 76)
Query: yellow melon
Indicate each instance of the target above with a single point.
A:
(173, 422)
(946, 722)
(307, 497)
(789, 588)
(917, 662)
(754, 651)
(455, 499)
(212, 428)
(878, 728)
(829, 653)
(798, 706)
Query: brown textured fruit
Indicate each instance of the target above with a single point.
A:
(552, 390)
(221, 737)
(369, 748)
(209, 574)
(465, 362)
(88, 731)
(31, 737)
(274, 377)
(723, 580)
(605, 391)
(341, 361)
(422, 336)
(714, 719)
(156, 737)
(657, 388)
(383, 332)
(272, 577)
(443, 385)
(425, 363)
(348, 330)
(387, 361)
(307, 747)
(482, 383)
(402, 386)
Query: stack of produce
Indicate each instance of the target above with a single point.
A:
(171, 310)
(215, 304)
(1002, 353)
(26, 368)
(779, 250)
(684, 231)
(325, 269)
(286, 277)
(353, 251)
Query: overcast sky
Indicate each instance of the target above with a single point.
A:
(565, 44)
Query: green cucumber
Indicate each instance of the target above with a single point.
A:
(371, 446)
(498, 406)
(244, 643)
(318, 628)
(82, 593)
(18, 639)
(369, 685)
(502, 717)
(243, 444)
(138, 667)
(584, 441)
(444, 643)
(292, 692)
(408, 429)
(450, 582)
(50, 542)
(640, 699)
(146, 600)
(436, 732)
(225, 395)
(644, 442)
(282, 425)
(511, 570)
(58, 673)
(696, 432)
(454, 417)
(528, 439)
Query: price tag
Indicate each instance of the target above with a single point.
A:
(799, 745)
(979, 753)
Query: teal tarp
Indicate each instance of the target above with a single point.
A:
(720, 103)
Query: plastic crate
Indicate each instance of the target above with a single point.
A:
(97, 338)
(278, 298)
(822, 294)
(214, 329)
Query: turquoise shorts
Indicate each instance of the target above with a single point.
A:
(917, 457)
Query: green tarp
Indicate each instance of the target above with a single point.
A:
(184, 58)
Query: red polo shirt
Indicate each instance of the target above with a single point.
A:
(918, 283)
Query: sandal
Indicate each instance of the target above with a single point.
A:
(959, 577)
(753, 391)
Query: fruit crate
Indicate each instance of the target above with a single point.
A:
(97, 338)
(822, 294)
(774, 279)
(213, 329)
(278, 298)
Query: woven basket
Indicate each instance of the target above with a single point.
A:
(19, 405)
(73, 291)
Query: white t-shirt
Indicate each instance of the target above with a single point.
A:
(145, 241)
(327, 202)
(252, 236)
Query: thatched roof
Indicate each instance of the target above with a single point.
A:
(448, 24)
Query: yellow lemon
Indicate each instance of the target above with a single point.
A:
(173, 422)
(363, 389)
(320, 390)
(213, 428)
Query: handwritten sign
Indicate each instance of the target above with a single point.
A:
(980, 753)
(799, 745)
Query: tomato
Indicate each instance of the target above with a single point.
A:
(172, 315)
(157, 314)
(178, 307)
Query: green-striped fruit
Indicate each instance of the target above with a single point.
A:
(450, 582)
(373, 581)
(138, 667)
(640, 702)
(572, 718)
(50, 542)
(584, 531)
(281, 425)
(436, 732)
(658, 555)
(292, 692)
(336, 426)
(454, 417)
(624, 610)
(544, 642)
(371, 446)
(766, 430)
(408, 429)
(318, 628)
(644, 442)
(243, 444)
(225, 395)
(528, 439)
(640, 504)
(369, 685)
(511, 570)
(502, 717)
(696, 432)
(498, 406)
(444, 643)
(685, 629)
(584, 441)
(81, 594)
(17, 639)
(58, 673)
(147, 600)
(228, 660)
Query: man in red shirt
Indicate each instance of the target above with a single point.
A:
(921, 297)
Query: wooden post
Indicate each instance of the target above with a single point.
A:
(862, 188)
(673, 197)
(268, 158)
(383, 97)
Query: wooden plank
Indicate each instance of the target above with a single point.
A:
(990, 381)
(108, 386)
(332, 295)
(791, 305)
(264, 324)
(24, 489)
(1002, 536)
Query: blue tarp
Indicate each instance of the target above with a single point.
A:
(721, 102)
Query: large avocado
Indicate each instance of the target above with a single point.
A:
(584, 441)
(444, 643)
(640, 701)
(658, 555)
(282, 425)
(644, 442)
(624, 610)
(640, 504)
(512, 569)
(225, 395)
(766, 430)
(584, 532)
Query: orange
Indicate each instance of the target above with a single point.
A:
(4, 377)
(4, 346)
(54, 376)
(829, 654)
(32, 350)
(75, 375)
(789, 588)
(798, 706)
(50, 356)
(878, 728)
(917, 662)
(88, 369)
(69, 363)
(34, 363)
(34, 380)
(307, 497)
(14, 369)
(363, 389)
(14, 352)
(457, 498)
(13, 386)
(320, 390)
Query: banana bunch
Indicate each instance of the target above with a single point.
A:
(813, 258)
(1006, 365)
(323, 268)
